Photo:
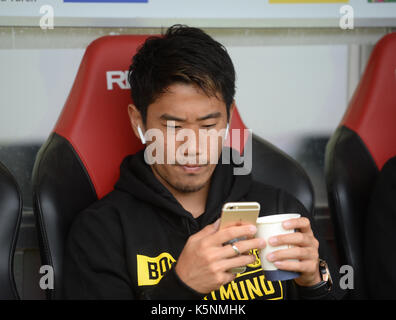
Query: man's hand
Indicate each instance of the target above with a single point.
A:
(305, 250)
(204, 261)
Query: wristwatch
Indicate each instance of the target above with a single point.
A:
(321, 289)
(327, 282)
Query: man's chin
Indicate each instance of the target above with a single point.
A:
(185, 182)
(188, 188)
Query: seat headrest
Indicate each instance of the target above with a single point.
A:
(95, 119)
(372, 110)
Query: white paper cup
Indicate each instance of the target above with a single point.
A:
(267, 227)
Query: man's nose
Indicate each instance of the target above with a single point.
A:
(193, 144)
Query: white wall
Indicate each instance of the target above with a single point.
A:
(34, 85)
(286, 93)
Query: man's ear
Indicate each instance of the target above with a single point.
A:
(136, 120)
(232, 107)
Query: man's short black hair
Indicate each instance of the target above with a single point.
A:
(183, 54)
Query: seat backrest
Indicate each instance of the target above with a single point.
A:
(10, 219)
(274, 167)
(363, 142)
(79, 163)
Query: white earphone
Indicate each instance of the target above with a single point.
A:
(226, 133)
(141, 135)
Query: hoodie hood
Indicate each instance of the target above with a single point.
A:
(138, 179)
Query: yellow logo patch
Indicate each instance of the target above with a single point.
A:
(152, 269)
(248, 285)
(257, 262)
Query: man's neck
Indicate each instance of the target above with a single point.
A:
(193, 202)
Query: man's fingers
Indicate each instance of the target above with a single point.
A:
(208, 230)
(243, 246)
(234, 232)
(238, 261)
(296, 238)
(293, 253)
(216, 224)
(303, 224)
(305, 266)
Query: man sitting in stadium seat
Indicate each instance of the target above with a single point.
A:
(156, 235)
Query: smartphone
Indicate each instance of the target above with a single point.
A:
(234, 213)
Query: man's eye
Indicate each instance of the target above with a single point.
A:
(172, 127)
(209, 125)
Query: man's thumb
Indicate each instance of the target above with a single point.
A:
(209, 229)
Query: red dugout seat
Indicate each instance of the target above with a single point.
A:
(361, 145)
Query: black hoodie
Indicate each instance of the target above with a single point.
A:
(125, 245)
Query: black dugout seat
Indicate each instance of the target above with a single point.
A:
(80, 161)
(361, 145)
(10, 220)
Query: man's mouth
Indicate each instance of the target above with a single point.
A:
(192, 168)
